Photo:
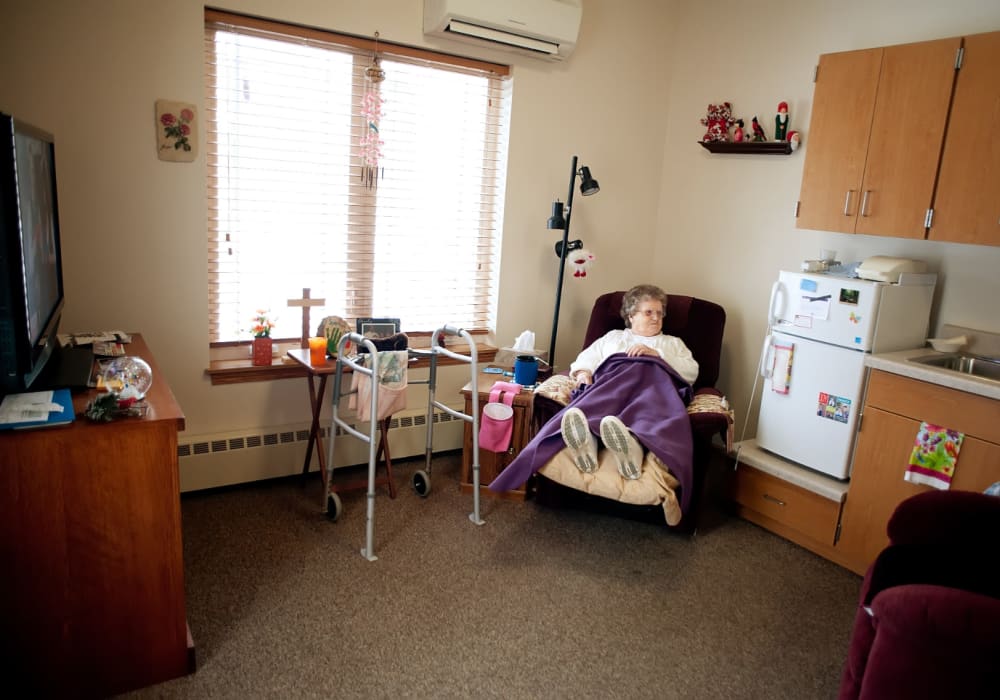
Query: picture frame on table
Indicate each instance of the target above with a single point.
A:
(377, 328)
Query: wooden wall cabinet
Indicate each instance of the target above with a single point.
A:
(875, 137)
(967, 205)
(92, 582)
(894, 408)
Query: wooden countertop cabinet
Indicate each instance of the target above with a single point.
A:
(799, 515)
(92, 594)
(894, 408)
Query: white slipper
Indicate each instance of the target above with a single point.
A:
(578, 438)
(622, 443)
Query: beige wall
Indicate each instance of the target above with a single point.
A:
(726, 223)
(627, 102)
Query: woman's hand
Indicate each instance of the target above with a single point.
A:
(640, 349)
(583, 376)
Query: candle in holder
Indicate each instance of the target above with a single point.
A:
(317, 351)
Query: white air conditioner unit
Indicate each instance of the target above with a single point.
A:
(542, 28)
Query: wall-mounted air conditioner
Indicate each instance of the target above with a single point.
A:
(541, 28)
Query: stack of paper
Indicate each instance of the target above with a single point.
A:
(36, 409)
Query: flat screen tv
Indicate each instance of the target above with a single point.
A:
(31, 296)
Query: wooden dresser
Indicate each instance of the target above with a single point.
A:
(92, 592)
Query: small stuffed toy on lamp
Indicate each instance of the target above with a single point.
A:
(579, 261)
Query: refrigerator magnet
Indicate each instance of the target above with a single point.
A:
(835, 408)
(849, 296)
(816, 306)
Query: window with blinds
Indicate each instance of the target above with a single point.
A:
(291, 205)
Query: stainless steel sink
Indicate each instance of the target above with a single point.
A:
(985, 367)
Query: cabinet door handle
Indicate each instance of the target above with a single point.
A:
(772, 499)
(847, 203)
(864, 203)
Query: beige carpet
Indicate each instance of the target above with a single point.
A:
(536, 603)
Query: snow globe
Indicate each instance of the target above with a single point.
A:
(129, 378)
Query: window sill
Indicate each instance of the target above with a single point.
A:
(242, 371)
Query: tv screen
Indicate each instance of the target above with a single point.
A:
(31, 299)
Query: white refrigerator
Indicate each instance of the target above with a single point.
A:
(822, 325)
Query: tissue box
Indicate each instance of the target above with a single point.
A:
(505, 356)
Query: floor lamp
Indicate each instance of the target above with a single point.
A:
(560, 220)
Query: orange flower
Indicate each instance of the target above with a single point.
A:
(261, 324)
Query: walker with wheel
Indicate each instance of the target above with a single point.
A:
(421, 480)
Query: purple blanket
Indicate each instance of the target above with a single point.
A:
(646, 394)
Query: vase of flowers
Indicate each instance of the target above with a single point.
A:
(262, 344)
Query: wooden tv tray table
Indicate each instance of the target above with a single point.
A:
(492, 463)
(322, 372)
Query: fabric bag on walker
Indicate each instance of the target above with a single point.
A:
(392, 382)
(496, 425)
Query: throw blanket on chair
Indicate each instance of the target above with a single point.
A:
(646, 394)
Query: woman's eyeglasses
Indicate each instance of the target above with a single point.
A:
(649, 313)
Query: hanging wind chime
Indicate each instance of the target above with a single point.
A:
(371, 143)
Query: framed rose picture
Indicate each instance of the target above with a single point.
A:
(176, 131)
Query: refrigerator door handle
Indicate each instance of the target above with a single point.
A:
(777, 292)
(767, 357)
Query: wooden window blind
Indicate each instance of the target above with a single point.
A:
(288, 206)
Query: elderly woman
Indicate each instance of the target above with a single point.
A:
(643, 307)
(633, 386)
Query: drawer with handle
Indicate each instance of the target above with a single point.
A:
(795, 507)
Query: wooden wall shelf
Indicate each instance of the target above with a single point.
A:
(767, 148)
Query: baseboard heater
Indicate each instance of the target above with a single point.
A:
(223, 459)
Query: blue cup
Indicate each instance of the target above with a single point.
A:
(525, 370)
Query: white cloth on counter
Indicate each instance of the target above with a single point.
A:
(392, 384)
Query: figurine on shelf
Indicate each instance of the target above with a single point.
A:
(758, 130)
(739, 135)
(781, 122)
(718, 120)
(794, 139)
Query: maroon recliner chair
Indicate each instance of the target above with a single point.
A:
(700, 324)
(928, 620)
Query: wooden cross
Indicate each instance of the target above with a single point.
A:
(305, 302)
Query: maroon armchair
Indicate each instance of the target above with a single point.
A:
(700, 324)
(928, 619)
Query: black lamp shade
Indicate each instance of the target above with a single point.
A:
(588, 185)
(556, 221)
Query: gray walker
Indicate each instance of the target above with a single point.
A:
(421, 478)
